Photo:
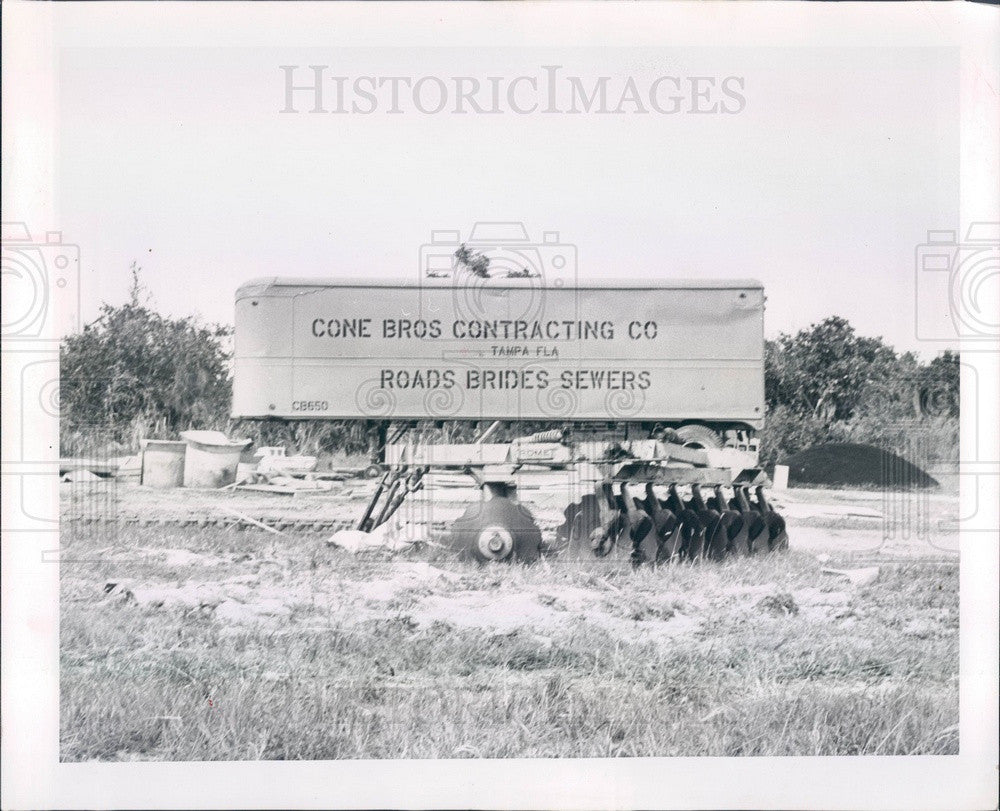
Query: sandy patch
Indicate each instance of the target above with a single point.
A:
(548, 611)
(822, 605)
(184, 557)
(508, 603)
(408, 575)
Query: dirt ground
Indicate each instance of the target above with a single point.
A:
(226, 641)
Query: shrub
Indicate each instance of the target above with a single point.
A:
(828, 384)
(135, 374)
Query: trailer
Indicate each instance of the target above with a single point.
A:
(632, 390)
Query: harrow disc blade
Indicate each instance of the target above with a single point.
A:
(497, 530)
(736, 533)
(671, 547)
(735, 524)
(692, 531)
(639, 522)
(644, 549)
(580, 519)
(759, 536)
(666, 525)
(716, 540)
(777, 531)
(757, 531)
(662, 517)
(640, 529)
(639, 525)
(604, 539)
(693, 542)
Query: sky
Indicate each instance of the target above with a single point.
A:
(822, 184)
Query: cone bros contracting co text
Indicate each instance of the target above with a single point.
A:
(521, 341)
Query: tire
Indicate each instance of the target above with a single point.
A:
(372, 471)
(699, 436)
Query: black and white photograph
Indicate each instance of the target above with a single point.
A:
(544, 405)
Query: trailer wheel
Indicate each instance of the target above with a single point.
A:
(699, 436)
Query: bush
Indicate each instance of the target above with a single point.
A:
(787, 432)
(827, 384)
(920, 440)
(135, 374)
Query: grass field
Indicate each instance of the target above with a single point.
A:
(237, 645)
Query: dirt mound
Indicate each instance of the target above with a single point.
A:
(847, 463)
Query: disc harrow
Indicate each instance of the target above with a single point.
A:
(653, 498)
(672, 529)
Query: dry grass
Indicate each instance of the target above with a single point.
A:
(772, 658)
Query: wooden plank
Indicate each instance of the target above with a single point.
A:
(105, 466)
(253, 521)
(267, 488)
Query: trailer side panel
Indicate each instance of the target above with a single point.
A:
(504, 349)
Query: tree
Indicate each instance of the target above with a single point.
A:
(476, 263)
(938, 386)
(827, 384)
(827, 371)
(134, 370)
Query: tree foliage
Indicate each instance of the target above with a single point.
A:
(476, 263)
(135, 370)
(938, 386)
(831, 373)
(828, 370)
(827, 383)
